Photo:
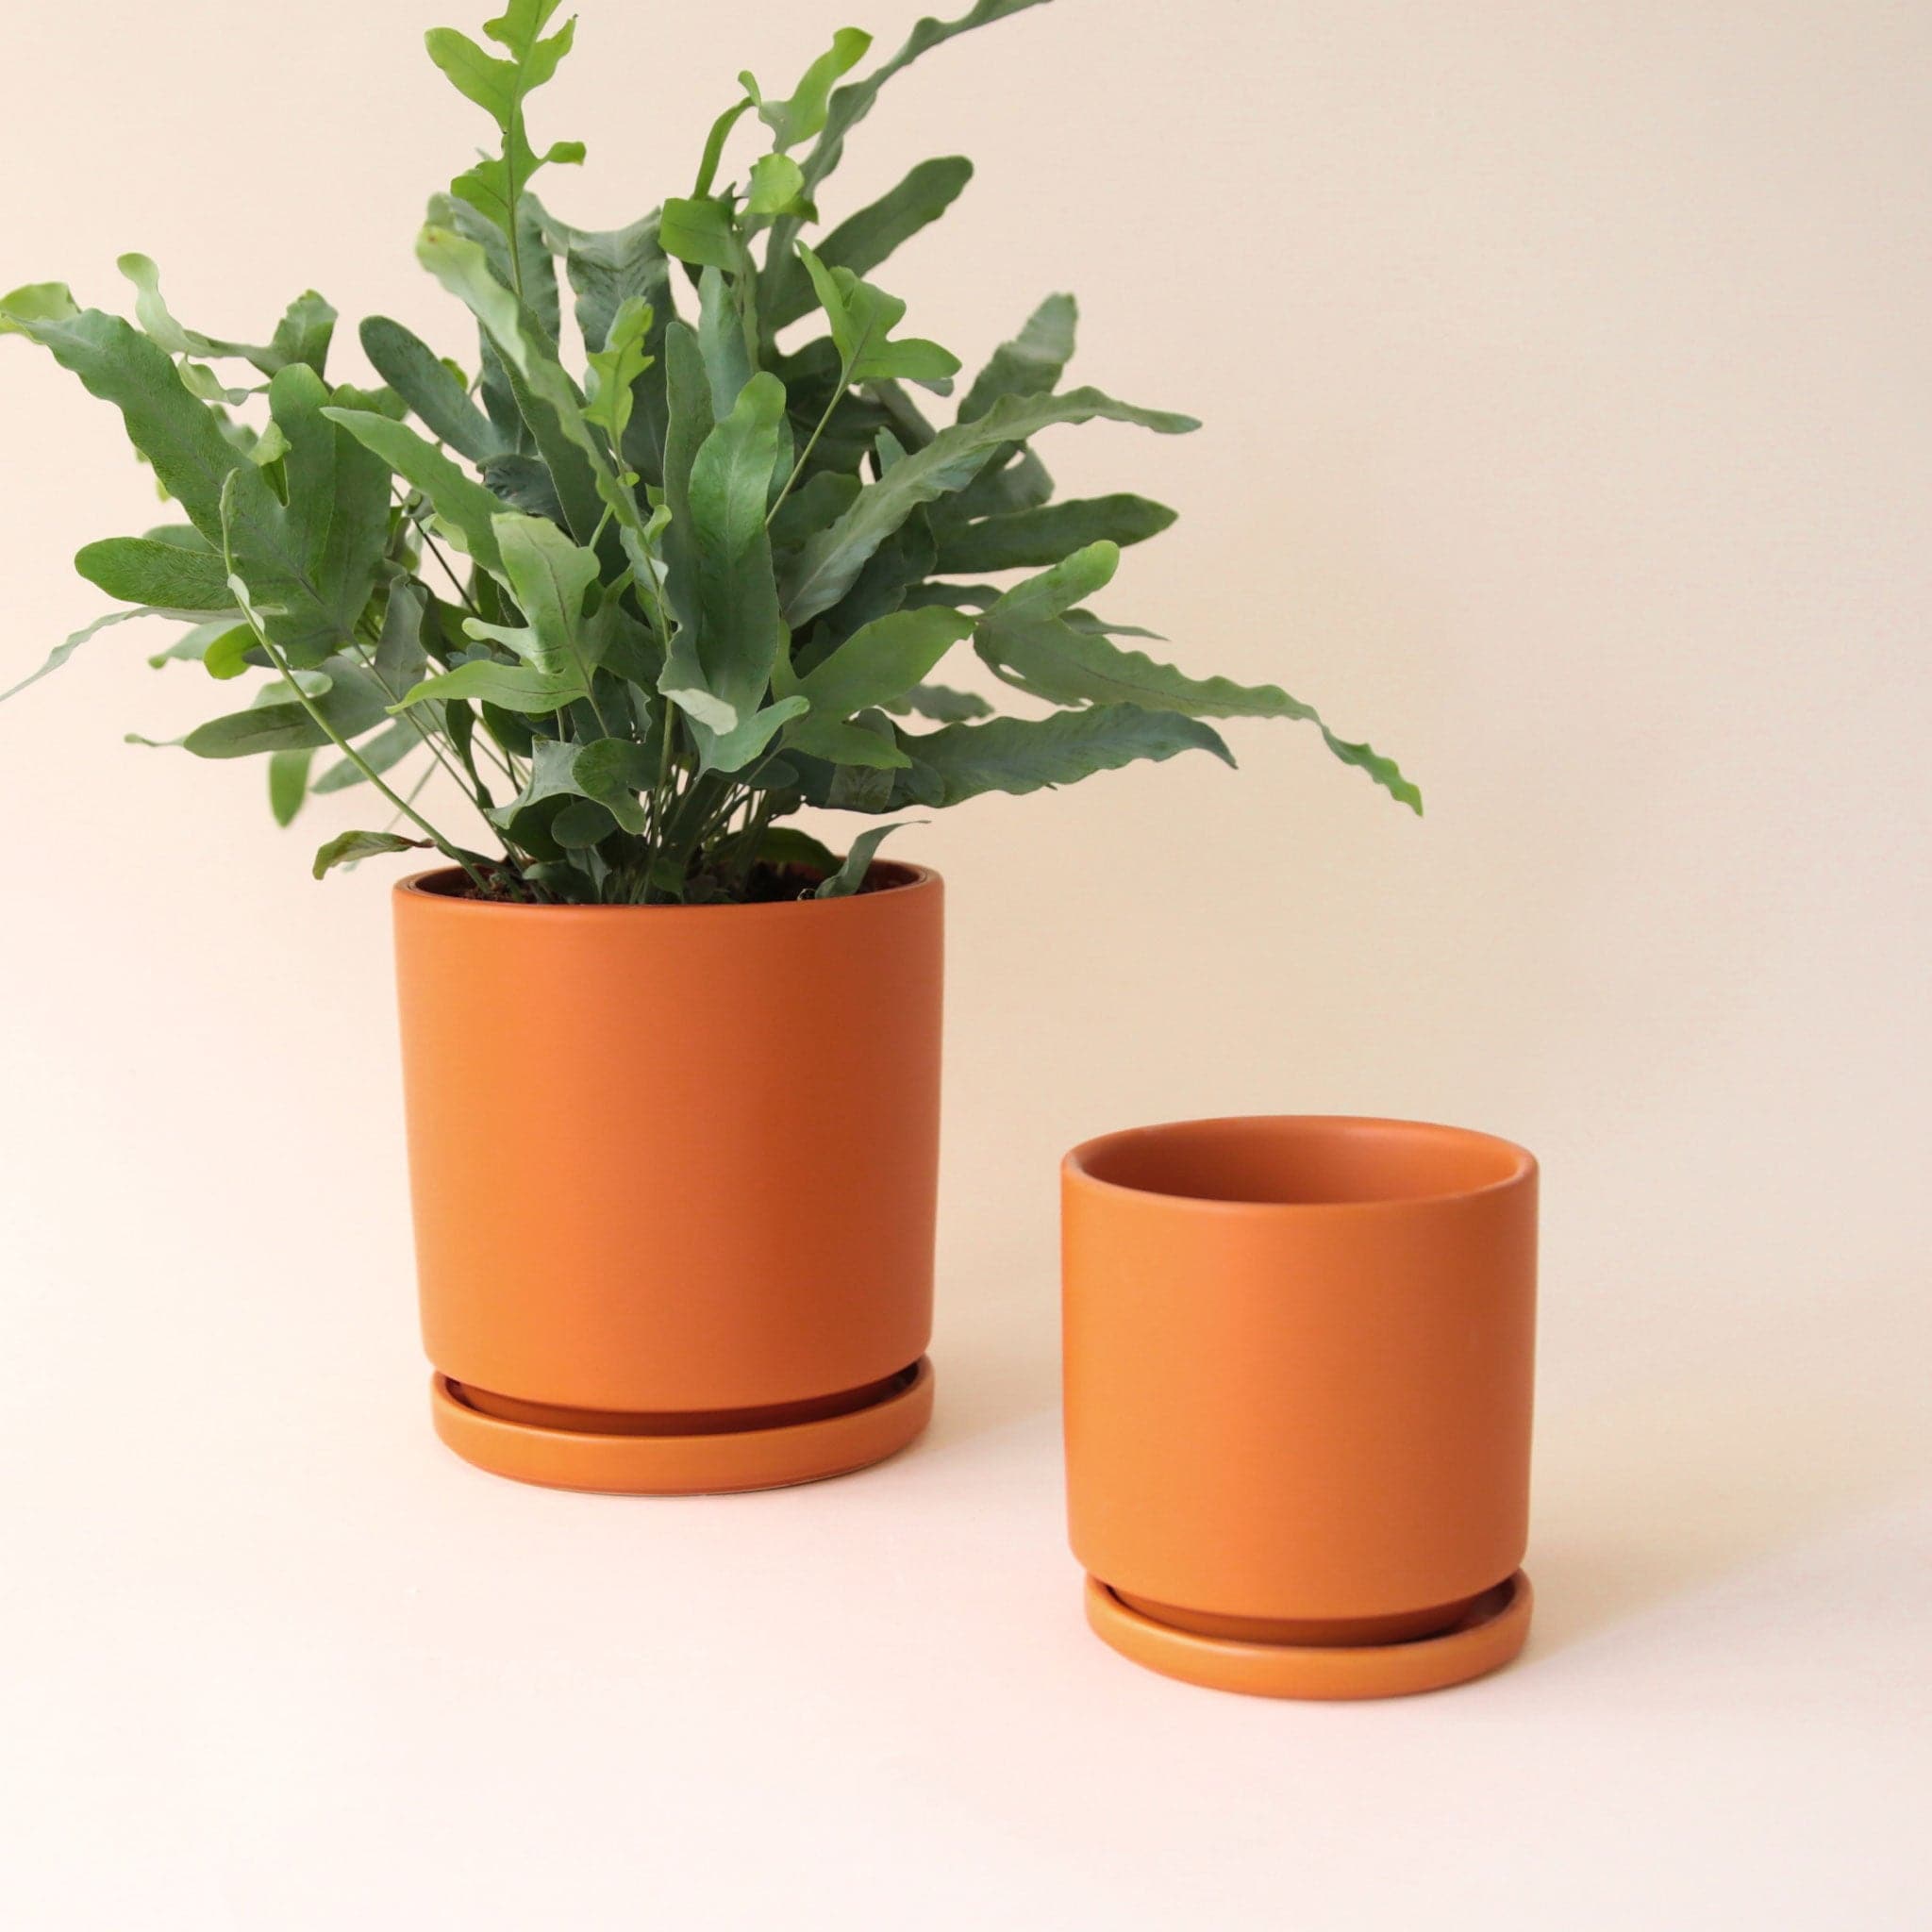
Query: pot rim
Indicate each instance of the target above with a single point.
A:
(418, 888)
(1075, 1166)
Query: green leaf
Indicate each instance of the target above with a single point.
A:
(500, 87)
(616, 367)
(855, 744)
(689, 422)
(193, 645)
(583, 823)
(381, 752)
(1052, 660)
(346, 847)
(862, 320)
(464, 504)
(513, 687)
(852, 103)
(881, 663)
(36, 302)
(610, 267)
(739, 632)
(785, 845)
(802, 116)
(310, 561)
(714, 145)
(61, 652)
(721, 341)
(1034, 536)
(462, 267)
(607, 268)
(1055, 589)
(864, 240)
(941, 704)
(287, 782)
(851, 875)
(1031, 364)
(141, 570)
(304, 332)
(412, 368)
(699, 230)
(828, 564)
(352, 703)
(549, 576)
(180, 437)
(778, 184)
(1021, 754)
(230, 654)
(612, 771)
(400, 652)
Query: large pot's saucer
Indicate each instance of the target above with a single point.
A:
(1488, 1636)
(706, 1461)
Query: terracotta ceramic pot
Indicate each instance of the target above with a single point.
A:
(1298, 1360)
(674, 1172)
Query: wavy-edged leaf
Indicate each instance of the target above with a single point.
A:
(352, 703)
(310, 561)
(851, 875)
(464, 504)
(827, 563)
(804, 114)
(1031, 364)
(415, 371)
(862, 319)
(1051, 659)
(699, 230)
(346, 847)
(721, 341)
(181, 436)
(144, 570)
(1035, 537)
(851, 103)
(881, 663)
(606, 269)
(66, 648)
(512, 687)
(462, 267)
(738, 630)
(1021, 754)
(36, 302)
(615, 369)
(549, 576)
(500, 87)
(864, 240)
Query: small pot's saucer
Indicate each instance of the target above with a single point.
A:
(664, 1463)
(1486, 1637)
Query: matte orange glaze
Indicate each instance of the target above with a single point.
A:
(672, 1159)
(1298, 1366)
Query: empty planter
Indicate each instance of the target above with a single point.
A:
(1299, 1356)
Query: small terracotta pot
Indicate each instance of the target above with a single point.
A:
(1298, 1363)
(674, 1172)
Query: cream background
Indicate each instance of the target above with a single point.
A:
(1569, 408)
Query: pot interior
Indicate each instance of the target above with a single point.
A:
(1302, 1160)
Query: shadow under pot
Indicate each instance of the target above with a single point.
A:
(1299, 1354)
(674, 1173)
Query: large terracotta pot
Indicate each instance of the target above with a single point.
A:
(674, 1172)
(1298, 1362)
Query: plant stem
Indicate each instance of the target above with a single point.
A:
(362, 764)
(812, 443)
